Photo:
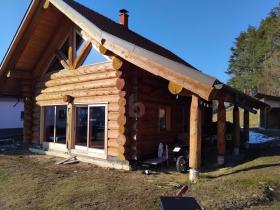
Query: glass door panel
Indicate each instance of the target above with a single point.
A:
(96, 127)
(81, 126)
(60, 134)
(49, 123)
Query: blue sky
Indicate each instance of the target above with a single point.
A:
(200, 31)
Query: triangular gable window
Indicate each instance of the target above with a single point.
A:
(83, 53)
(94, 57)
(55, 65)
(86, 54)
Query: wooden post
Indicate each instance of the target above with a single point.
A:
(70, 126)
(246, 128)
(195, 139)
(28, 108)
(221, 133)
(236, 130)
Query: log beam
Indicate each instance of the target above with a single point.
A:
(246, 128)
(195, 139)
(236, 130)
(221, 133)
(70, 126)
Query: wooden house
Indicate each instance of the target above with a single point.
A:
(269, 118)
(94, 88)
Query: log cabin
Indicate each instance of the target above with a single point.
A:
(94, 88)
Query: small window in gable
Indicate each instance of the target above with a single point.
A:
(64, 49)
(55, 65)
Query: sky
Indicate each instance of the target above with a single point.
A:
(199, 31)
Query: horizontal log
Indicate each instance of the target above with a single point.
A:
(112, 151)
(83, 70)
(82, 86)
(113, 143)
(82, 78)
(121, 156)
(120, 83)
(88, 100)
(121, 129)
(114, 107)
(113, 134)
(113, 115)
(117, 63)
(76, 94)
(113, 125)
(121, 120)
(121, 150)
(121, 139)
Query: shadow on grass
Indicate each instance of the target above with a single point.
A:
(243, 170)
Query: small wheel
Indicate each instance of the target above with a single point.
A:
(181, 164)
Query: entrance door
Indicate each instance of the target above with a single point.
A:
(91, 127)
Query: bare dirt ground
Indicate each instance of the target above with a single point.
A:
(35, 182)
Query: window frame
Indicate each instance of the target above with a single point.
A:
(167, 110)
(100, 153)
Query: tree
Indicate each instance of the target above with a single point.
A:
(254, 64)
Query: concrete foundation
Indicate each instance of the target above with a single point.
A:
(105, 163)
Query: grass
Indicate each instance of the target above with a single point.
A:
(36, 182)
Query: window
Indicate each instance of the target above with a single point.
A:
(90, 126)
(164, 119)
(91, 56)
(55, 124)
(55, 65)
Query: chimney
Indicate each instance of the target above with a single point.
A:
(124, 17)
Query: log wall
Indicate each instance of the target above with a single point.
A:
(151, 94)
(88, 84)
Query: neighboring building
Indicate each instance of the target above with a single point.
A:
(269, 118)
(11, 118)
(95, 88)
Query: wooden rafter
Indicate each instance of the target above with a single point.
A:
(62, 59)
(71, 49)
(58, 37)
(83, 54)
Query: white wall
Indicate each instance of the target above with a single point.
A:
(10, 112)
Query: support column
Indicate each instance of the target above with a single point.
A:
(221, 133)
(195, 139)
(69, 122)
(28, 107)
(236, 130)
(246, 129)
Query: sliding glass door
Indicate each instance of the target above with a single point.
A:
(55, 124)
(91, 127)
